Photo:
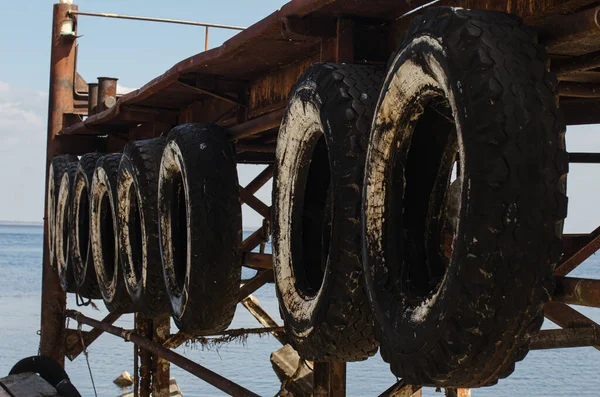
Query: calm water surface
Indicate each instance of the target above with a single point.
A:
(543, 373)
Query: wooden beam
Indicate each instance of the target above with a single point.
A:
(253, 306)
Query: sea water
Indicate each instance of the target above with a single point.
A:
(543, 373)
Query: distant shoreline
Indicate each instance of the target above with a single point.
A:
(40, 224)
(20, 223)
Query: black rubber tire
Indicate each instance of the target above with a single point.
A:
(50, 370)
(81, 249)
(463, 318)
(200, 227)
(138, 226)
(321, 150)
(55, 173)
(63, 228)
(104, 235)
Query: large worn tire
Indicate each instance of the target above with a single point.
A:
(57, 168)
(200, 227)
(458, 273)
(104, 235)
(62, 228)
(321, 152)
(138, 224)
(81, 250)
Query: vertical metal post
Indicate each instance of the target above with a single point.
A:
(62, 73)
(329, 379)
(206, 39)
(160, 367)
(107, 93)
(92, 98)
(143, 327)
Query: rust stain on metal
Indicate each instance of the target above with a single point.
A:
(578, 291)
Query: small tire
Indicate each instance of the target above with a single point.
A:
(139, 245)
(458, 270)
(321, 150)
(63, 228)
(55, 172)
(104, 235)
(200, 227)
(81, 250)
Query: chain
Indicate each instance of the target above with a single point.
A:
(87, 359)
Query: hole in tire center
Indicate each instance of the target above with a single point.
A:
(430, 173)
(83, 224)
(107, 236)
(134, 227)
(179, 223)
(316, 213)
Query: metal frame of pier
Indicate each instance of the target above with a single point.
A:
(319, 30)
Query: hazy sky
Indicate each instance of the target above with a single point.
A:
(136, 52)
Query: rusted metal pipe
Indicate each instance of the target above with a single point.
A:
(576, 257)
(206, 39)
(143, 327)
(62, 73)
(150, 19)
(565, 316)
(578, 291)
(92, 98)
(107, 93)
(329, 379)
(256, 125)
(565, 338)
(161, 368)
(220, 382)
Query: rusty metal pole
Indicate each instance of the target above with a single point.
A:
(329, 379)
(62, 72)
(143, 327)
(92, 98)
(107, 93)
(161, 368)
(206, 39)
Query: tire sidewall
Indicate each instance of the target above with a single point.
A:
(422, 65)
(128, 183)
(101, 187)
(172, 164)
(296, 137)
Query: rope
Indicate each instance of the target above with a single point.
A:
(87, 359)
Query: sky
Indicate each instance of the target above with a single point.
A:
(136, 52)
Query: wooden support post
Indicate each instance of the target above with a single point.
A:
(254, 307)
(62, 73)
(161, 368)
(329, 379)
